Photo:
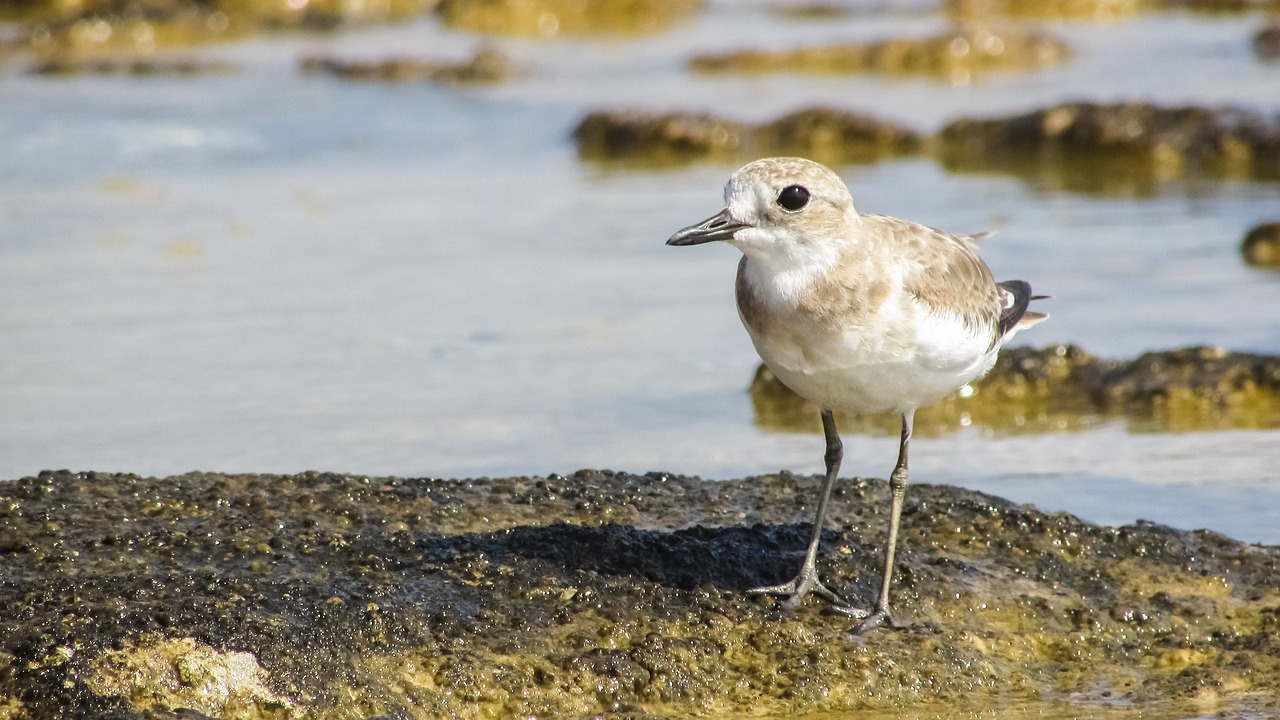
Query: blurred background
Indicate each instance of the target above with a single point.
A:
(364, 236)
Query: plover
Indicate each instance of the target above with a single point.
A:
(858, 313)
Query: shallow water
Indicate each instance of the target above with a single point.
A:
(265, 271)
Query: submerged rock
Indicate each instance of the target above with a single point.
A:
(135, 66)
(1261, 246)
(548, 18)
(1094, 146)
(956, 56)
(485, 66)
(1266, 43)
(1095, 9)
(90, 29)
(824, 134)
(320, 595)
(1062, 387)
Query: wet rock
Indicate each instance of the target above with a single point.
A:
(1094, 9)
(956, 56)
(135, 66)
(548, 18)
(813, 10)
(1061, 387)
(657, 139)
(974, 10)
(824, 134)
(486, 66)
(320, 595)
(90, 29)
(1104, 147)
(1266, 43)
(1261, 246)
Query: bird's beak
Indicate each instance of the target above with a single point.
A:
(717, 227)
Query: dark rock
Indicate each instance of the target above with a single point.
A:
(135, 66)
(485, 66)
(321, 595)
(955, 56)
(1092, 146)
(1261, 246)
(548, 18)
(824, 134)
(1266, 43)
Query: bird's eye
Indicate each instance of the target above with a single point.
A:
(793, 197)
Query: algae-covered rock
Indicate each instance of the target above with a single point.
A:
(332, 596)
(823, 134)
(1063, 387)
(485, 66)
(956, 56)
(1104, 147)
(1095, 9)
(70, 32)
(548, 18)
(135, 66)
(658, 139)
(1261, 245)
(1266, 43)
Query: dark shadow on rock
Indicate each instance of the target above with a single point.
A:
(729, 558)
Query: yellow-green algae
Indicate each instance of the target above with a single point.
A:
(320, 595)
(973, 10)
(68, 31)
(487, 65)
(821, 133)
(1063, 387)
(1261, 246)
(957, 56)
(549, 18)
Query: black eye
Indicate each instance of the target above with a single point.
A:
(793, 197)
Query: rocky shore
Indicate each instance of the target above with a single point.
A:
(602, 595)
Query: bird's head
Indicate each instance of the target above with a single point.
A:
(778, 208)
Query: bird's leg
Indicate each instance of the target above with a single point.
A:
(898, 490)
(807, 581)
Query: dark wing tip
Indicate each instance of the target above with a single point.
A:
(1018, 299)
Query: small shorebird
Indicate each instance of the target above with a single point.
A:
(858, 313)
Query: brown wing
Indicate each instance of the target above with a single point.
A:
(943, 271)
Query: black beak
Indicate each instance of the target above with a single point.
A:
(717, 227)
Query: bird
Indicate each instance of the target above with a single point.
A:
(858, 313)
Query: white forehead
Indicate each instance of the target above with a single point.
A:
(755, 186)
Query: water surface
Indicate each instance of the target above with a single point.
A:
(267, 271)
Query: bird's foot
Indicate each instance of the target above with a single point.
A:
(872, 620)
(803, 584)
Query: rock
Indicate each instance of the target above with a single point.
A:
(321, 595)
(1093, 146)
(1266, 43)
(1261, 246)
(88, 30)
(486, 66)
(136, 66)
(1063, 386)
(956, 56)
(824, 134)
(548, 18)
(657, 139)
(836, 136)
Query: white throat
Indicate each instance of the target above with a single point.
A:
(779, 268)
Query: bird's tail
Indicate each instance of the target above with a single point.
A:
(1016, 315)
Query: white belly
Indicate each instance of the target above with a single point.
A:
(863, 372)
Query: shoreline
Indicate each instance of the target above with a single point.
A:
(323, 595)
